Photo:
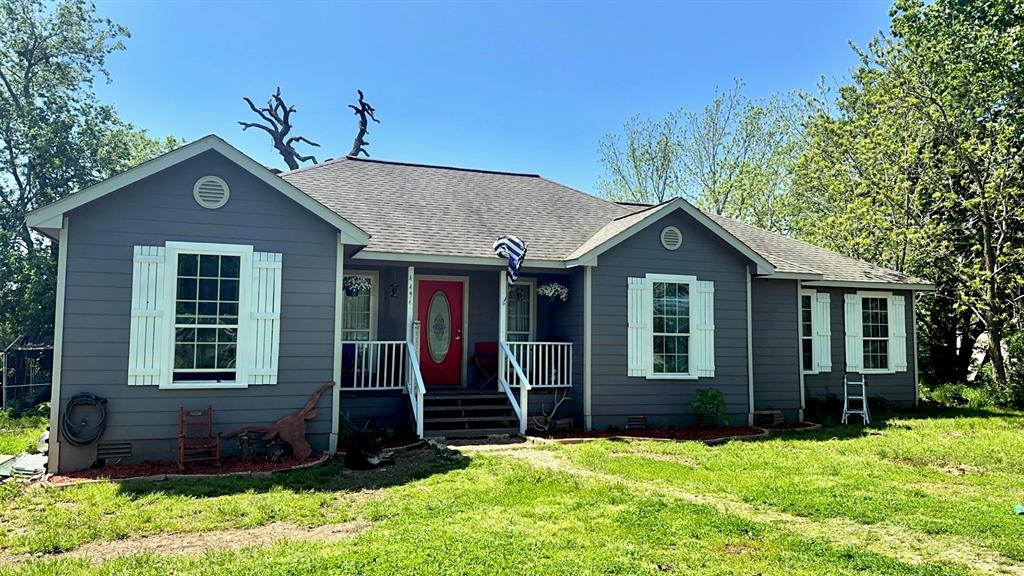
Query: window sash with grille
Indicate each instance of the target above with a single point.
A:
(671, 327)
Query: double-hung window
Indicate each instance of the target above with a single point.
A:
(206, 307)
(671, 321)
(876, 332)
(204, 316)
(521, 310)
(359, 306)
(875, 322)
(807, 331)
(671, 327)
(815, 331)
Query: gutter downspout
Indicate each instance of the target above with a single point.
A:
(588, 339)
(339, 278)
(53, 452)
(799, 347)
(750, 354)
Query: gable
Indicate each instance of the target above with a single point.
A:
(624, 228)
(48, 219)
(700, 248)
(162, 207)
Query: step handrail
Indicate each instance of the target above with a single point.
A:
(414, 386)
(521, 407)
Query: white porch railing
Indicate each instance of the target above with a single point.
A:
(546, 364)
(414, 379)
(529, 365)
(373, 365)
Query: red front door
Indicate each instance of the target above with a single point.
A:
(440, 315)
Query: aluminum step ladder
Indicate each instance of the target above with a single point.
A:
(855, 388)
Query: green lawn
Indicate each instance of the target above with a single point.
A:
(911, 495)
(19, 435)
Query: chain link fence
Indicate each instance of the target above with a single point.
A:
(27, 373)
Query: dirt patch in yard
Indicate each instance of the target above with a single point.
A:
(666, 433)
(197, 543)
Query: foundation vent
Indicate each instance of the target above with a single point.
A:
(113, 450)
(636, 422)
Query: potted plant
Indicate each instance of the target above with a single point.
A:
(709, 406)
(553, 291)
(355, 285)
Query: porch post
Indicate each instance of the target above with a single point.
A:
(410, 293)
(502, 324)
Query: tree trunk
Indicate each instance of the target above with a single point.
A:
(995, 353)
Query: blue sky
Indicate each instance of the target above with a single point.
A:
(523, 86)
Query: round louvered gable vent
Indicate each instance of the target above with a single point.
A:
(671, 238)
(211, 192)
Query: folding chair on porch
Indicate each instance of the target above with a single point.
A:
(855, 388)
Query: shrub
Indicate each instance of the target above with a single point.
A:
(980, 395)
(709, 406)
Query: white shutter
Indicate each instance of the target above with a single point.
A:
(149, 322)
(898, 334)
(704, 340)
(822, 342)
(265, 294)
(854, 332)
(639, 342)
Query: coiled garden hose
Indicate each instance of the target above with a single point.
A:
(84, 432)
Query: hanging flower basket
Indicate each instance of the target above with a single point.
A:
(355, 285)
(553, 291)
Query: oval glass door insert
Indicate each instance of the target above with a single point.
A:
(439, 329)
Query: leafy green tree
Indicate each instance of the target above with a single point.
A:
(734, 157)
(55, 138)
(738, 157)
(643, 164)
(917, 166)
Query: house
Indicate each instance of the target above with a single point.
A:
(201, 278)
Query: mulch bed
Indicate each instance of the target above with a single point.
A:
(233, 465)
(666, 433)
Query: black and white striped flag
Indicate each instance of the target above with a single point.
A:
(514, 249)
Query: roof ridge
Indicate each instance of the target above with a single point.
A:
(414, 165)
(587, 194)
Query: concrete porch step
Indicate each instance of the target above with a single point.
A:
(500, 418)
(472, 433)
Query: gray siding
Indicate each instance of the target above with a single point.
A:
(776, 346)
(899, 388)
(101, 238)
(667, 402)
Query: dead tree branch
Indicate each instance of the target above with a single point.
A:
(364, 111)
(278, 118)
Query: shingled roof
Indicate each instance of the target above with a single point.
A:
(420, 209)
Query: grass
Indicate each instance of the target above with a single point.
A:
(909, 496)
(19, 434)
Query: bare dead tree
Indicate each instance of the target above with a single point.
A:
(547, 421)
(278, 118)
(364, 111)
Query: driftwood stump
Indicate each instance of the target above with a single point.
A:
(292, 428)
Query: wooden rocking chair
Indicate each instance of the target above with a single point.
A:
(197, 442)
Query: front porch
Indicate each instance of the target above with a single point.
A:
(457, 351)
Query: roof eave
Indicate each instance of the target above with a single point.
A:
(871, 285)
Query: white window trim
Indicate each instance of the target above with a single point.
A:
(814, 324)
(887, 296)
(531, 283)
(374, 277)
(245, 340)
(691, 281)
